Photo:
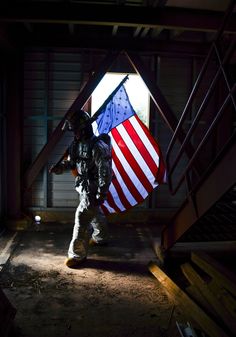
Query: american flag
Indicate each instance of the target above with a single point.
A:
(137, 162)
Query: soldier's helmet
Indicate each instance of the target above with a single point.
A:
(80, 120)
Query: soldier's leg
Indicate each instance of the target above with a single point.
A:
(99, 227)
(78, 247)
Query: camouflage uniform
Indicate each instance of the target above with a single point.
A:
(90, 157)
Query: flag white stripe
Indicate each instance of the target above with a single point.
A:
(145, 140)
(108, 207)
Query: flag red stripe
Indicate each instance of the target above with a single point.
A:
(121, 193)
(128, 182)
(105, 210)
(130, 158)
(154, 168)
(162, 168)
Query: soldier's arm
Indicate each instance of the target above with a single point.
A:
(64, 164)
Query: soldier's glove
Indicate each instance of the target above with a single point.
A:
(56, 169)
(100, 198)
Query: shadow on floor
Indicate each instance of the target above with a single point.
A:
(112, 295)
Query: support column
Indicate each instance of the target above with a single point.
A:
(13, 136)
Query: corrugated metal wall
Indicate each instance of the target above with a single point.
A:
(52, 80)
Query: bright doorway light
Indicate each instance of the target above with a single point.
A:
(136, 90)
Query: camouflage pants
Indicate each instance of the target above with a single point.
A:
(90, 222)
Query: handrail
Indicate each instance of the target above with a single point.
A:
(189, 102)
(204, 140)
(212, 52)
(200, 110)
(199, 78)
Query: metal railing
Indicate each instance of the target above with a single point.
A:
(226, 106)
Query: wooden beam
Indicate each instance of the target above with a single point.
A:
(213, 268)
(158, 98)
(199, 298)
(47, 38)
(79, 102)
(202, 286)
(110, 15)
(188, 305)
(224, 296)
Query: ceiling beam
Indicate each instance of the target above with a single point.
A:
(115, 43)
(112, 15)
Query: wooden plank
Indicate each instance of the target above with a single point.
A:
(195, 279)
(224, 296)
(218, 272)
(184, 301)
(79, 102)
(199, 299)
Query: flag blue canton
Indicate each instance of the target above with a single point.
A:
(116, 111)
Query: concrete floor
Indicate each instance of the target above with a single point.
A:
(112, 295)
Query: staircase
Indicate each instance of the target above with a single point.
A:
(218, 223)
(207, 174)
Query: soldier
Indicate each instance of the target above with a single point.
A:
(90, 159)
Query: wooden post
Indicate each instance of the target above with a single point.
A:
(13, 137)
